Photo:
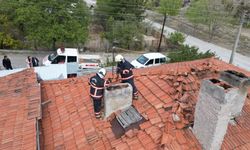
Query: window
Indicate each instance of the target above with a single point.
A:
(162, 60)
(142, 59)
(71, 59)
(59, 60)
(157, 61)
(150, 62)
(52, 56)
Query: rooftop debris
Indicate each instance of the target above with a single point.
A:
(68, 119)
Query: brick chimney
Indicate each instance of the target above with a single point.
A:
(218, 102)
(117, 97)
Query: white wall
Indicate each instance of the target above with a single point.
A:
(8, 72)
(52, 72)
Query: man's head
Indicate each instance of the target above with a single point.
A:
(102, 73)
(119, 58)
(5, 57)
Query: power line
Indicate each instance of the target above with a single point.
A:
(198, 12)
(106, 3)
(103, 13)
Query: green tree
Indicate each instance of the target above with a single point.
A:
(208, 12)
(121, 20)
(9, 33)
(127, 33)
(168, 8)
(7, 39)
(47, 22)
(151, 4)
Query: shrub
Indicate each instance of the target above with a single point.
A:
(177, 38)
(8, 42)
(187, 53)
(109, 63)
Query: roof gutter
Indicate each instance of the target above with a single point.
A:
(37, 134)
(38, 121)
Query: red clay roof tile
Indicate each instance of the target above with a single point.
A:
(69, 119)
(20, 105)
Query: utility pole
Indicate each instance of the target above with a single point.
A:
(113, 60)
(162, 30)
(115, 43)
(242, 20)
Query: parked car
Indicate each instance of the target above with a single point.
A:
(71, 55)
(149, 59)
(89, 61)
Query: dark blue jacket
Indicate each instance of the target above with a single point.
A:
(124, 68)
(97, 85)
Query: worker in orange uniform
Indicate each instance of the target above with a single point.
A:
(97, 84)
(124, 68)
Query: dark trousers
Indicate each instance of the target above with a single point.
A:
(97, 104)
(9, 67)
(131, 82)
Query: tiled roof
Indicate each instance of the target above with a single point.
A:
(168, 95)
(19, 107)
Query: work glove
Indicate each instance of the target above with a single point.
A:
(109, 80)
(117, 78)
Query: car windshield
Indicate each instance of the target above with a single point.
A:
(52, 56)
(142, 59)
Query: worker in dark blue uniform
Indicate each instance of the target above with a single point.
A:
(97, 85)
(124, 68)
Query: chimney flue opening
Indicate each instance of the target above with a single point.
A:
(115, 87)
(215, 81)
(238, 74)
(220, 83)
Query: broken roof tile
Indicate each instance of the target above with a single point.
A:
(159, 99)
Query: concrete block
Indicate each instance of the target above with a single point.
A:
(238, 101)
(241, 82)
(232, 77)
(117, 97)
(216, 92)
(212, 113)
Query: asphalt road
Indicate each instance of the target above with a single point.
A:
(223, 53)
(18, 57)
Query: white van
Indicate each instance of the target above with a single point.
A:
(71, 55)
(149, 59)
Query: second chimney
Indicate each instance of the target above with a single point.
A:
(240, 81)
(212, 113)
(219, 101)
